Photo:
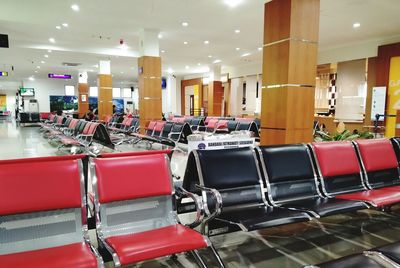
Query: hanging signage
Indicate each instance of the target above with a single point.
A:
(3, 73)
(60, 76)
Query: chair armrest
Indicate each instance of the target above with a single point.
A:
(198, 202)
(218, 201)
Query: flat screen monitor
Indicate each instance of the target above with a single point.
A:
(27, 92)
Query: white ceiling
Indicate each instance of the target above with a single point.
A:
(31, 23)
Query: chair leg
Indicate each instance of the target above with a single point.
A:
(219, 259)
(198, 259)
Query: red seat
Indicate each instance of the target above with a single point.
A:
(377, 197)
(156, 243)
(76, 255)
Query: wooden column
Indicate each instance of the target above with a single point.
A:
(105, 104)
(214, 97)
(83, 99)
(150, 96)
(289, 68)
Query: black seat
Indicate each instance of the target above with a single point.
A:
(352, 261)
(235, 175)
(392, 251)
(291, 181)
(232, 125)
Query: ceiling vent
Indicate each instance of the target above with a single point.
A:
(71, 64)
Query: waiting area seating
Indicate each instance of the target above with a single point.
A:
(43, 214)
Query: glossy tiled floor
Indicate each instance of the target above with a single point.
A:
(289, 246)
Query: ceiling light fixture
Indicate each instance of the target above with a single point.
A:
(216, 61)
(52, 40)
(160, 36)
(162, 51)
(232, 3)
(185, 42)
(245, 54)
(75, 7)
(187, 67)
(238, 48)
(356, 25)
(46, 56)
(31, 78)
(206, 42)
(185, 24)
(42, 62)
(210, 56)
(58, 27)
(259, 49)
(65, 25)
(170, 71)
(38, 67)
(49, 51)
(237, 31)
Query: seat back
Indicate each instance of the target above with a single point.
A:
(135, 124)
(232, 125)
(233, 172)
(178, 120)
(67, 122)
(150, 128)
(102, 136)
(73, 123)
(80, 127)
(396, 146)
(338, 167)
(288, 172)
(158, 128)
(379, 162)
(132, 194)
(223, 124)
(212, 125)
(60, 120)
(167, 129)
(42, 203)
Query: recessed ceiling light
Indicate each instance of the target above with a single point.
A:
(206, 42)
(49, 51)
(43, 62)
(36, 71)
(162, 51)
(217, 61)
(58, 27)
(122, 72)
(52, 40)
(75, 7)
(238, 48)
(199, 64)
(185, 24)
(232, 3)
(38, 67)
(210, 56)
(187, 67)
(170, 71)
(356, 25)
(237, 31)
(160, 36)
(185, 42)
(245, 54)
(259, 49)
(46, 56)
(31, 78)
(65, 25)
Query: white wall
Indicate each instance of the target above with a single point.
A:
(236, 97)
(251, 92)
(44, 88)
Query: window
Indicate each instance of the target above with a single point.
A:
(127, 93)
(116, 93)
(69, 90)
(93, 91)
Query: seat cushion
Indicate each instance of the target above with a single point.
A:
(69, 141)
(352, 261)
(76, 255)
(263, 217)
(156, 243)
(376, 197)
(327, 206)
(392, 251)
